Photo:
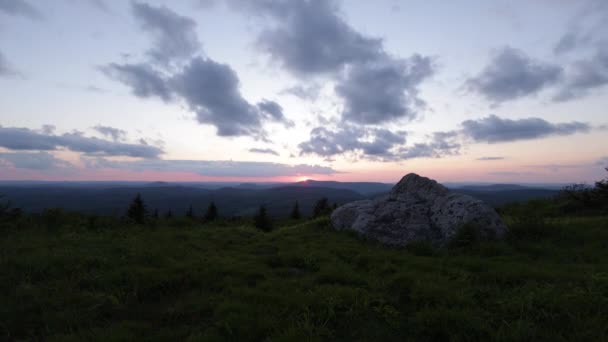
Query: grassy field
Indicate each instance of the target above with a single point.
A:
(303, 281)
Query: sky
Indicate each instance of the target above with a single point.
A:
(287, 90)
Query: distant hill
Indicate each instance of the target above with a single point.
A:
(230, 201)
(498, 198)
(364, 188)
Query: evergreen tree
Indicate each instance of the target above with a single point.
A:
(262, 221)
(601, 188)
(190, 212)
(137, 210)
(295, 212)
(169, 214)
(211, 213)
(321, 207)
(155, 214)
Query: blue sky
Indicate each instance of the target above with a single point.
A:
(505, 91)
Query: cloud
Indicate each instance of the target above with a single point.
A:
(20, 8)
(511, 75)
(274, 112)
(264, 151)
(365, 142)
(26, 139)
(6, 70)
(439, 144)
(585, 76)
(383, 90)
(490, 158)
(493, 129)
(213, 168)
(174, 35)
(211, 90)
(587, 26)
(115, 133)
(143, 79)
(34, 161)
(310, 37)
(308, 92)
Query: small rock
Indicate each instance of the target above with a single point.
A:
(417, 209)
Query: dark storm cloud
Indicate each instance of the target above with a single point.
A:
(34, 161)
(143, 79)
(493, 129)
(383, 90)
(264, 151)
(214, 168)
(15, 138)
(367, 142)
(174, 35)
(20, 8)
(115, 133)
(511, 75)
(585, 76)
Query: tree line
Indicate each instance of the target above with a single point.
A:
(138, 212)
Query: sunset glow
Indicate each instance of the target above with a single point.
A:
(152, 90)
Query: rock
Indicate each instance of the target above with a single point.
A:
(417, 209)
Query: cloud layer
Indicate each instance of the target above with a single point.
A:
(15, 138)
(493, 129)
(213, 168)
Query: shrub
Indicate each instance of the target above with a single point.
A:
(466, 236)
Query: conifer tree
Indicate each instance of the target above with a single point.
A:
(211, 213)
(321, 207)
(137, 210)
(169, 214)
(262, 221)
(190, 212)
(295, 212)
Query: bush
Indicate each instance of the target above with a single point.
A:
(466, 236)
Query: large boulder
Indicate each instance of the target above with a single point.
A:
(418, 209)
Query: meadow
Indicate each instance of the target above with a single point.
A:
(73, 277)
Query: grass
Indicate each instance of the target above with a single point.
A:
(179, 280)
